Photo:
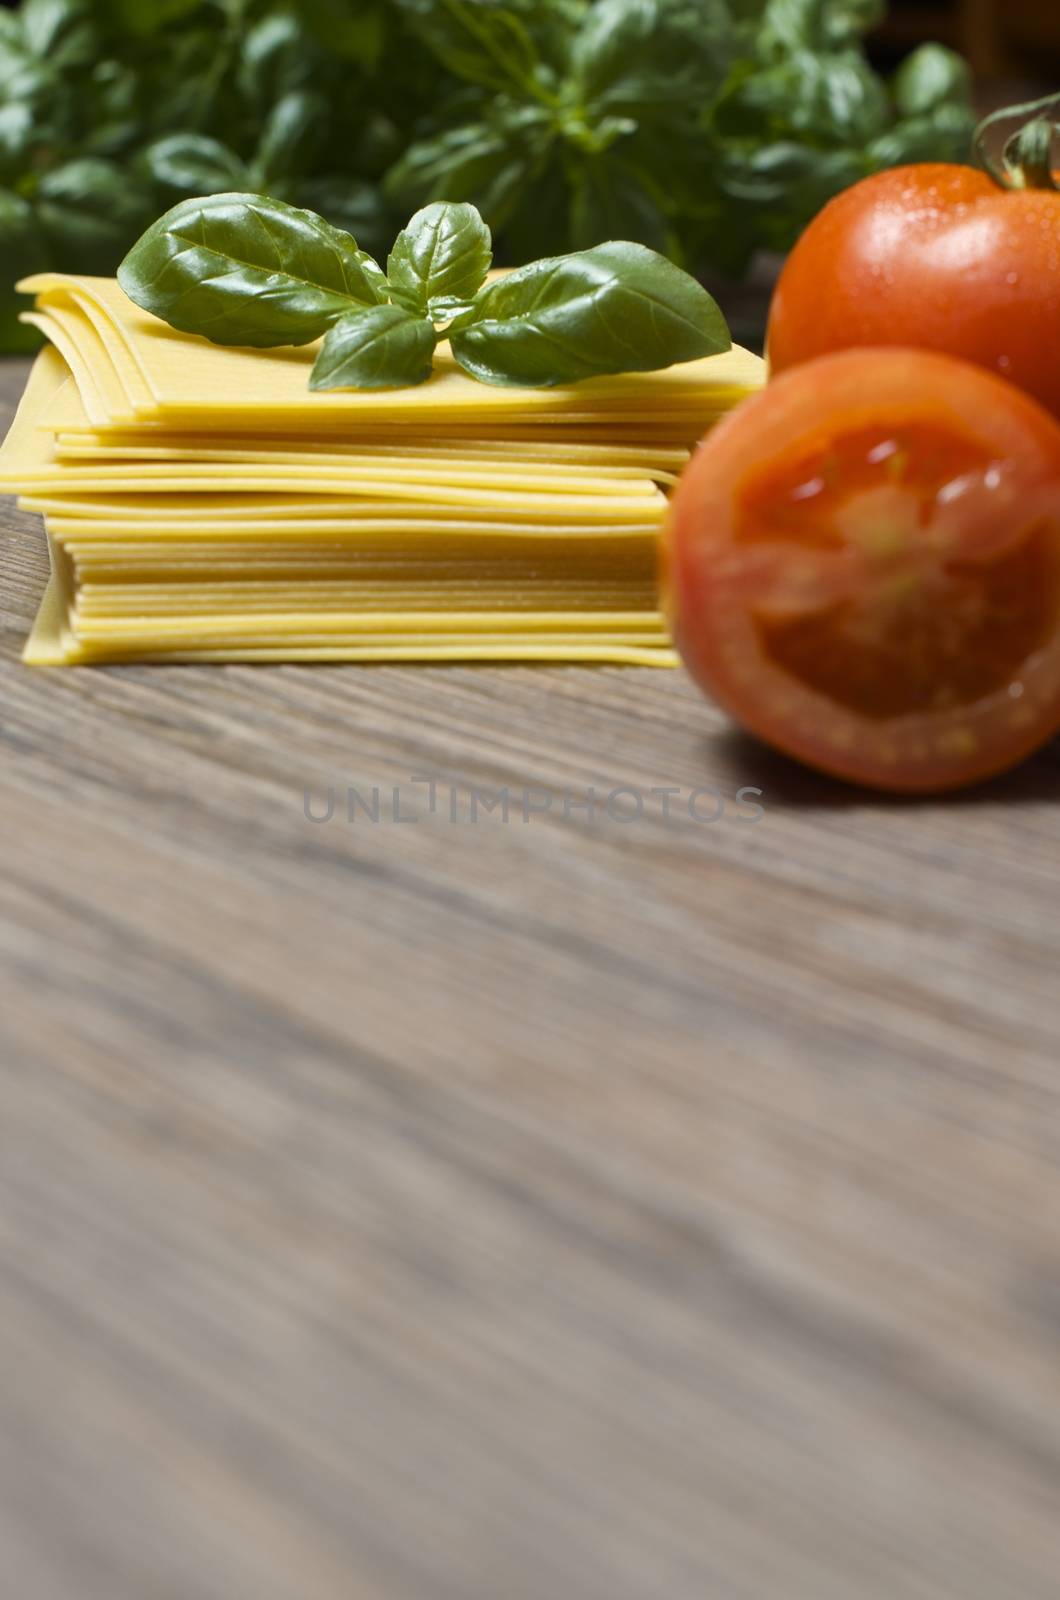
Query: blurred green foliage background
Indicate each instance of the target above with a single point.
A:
(705, 128)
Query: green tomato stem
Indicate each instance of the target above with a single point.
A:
(1025, 158)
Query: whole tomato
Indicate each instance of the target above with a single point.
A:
(939, 257)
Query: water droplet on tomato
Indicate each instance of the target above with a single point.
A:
(807, 491)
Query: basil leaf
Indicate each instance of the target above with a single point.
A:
(291, 136)
(244, 269)
(113, 102)
(610, 202)
(88, 210)
(490, 165)
(276, 57)
(443, 254)
(634, 54)
(192, 163)
(481, 41)
(822, 99)
(60, 32)
(817, 24)
(847, 101)
(445, 307)
(785, 184)
(616, 308)
(932, 76)
(610, 44)
(385, 347)
(941, 135)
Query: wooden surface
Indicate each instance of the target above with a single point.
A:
(560, 1210)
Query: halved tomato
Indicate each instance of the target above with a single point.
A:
(863, 567)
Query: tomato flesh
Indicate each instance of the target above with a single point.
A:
(888, 655)
(882, 649)
(864, 566)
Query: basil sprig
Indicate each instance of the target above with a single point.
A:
(243, 269)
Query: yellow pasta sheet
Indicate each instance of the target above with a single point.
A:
(28, 461)
(642, 441)
(165, 375)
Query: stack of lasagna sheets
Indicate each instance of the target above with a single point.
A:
(202, 504)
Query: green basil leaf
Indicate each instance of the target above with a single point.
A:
(195, 94)
(88, 210)
(117, 140)
(819, 25)
(943, 134)
(244, 269)
(277, 56)
(60, 32)
(632, 54)
(610, 202)
(446, 307)
(821, 99)
(617, 308)
(538, 223)
(11, 39)
(783, 185)
(847, 102)
(194, 164)
(483, 42)
(444, 252)
(385, 347)
(113, 100)
(932, 76)
(490, 165)
(610, 44)
(291, 136)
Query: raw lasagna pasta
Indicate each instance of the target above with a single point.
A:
(202, 504)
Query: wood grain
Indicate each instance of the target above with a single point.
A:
(574, 1209)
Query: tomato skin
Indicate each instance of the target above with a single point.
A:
(810, 409)
(934, 256)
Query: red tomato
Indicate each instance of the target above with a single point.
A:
(935, 256)
(863, 566)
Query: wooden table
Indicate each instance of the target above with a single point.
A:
(564, 1209)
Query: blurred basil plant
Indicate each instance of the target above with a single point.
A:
(704, 128)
